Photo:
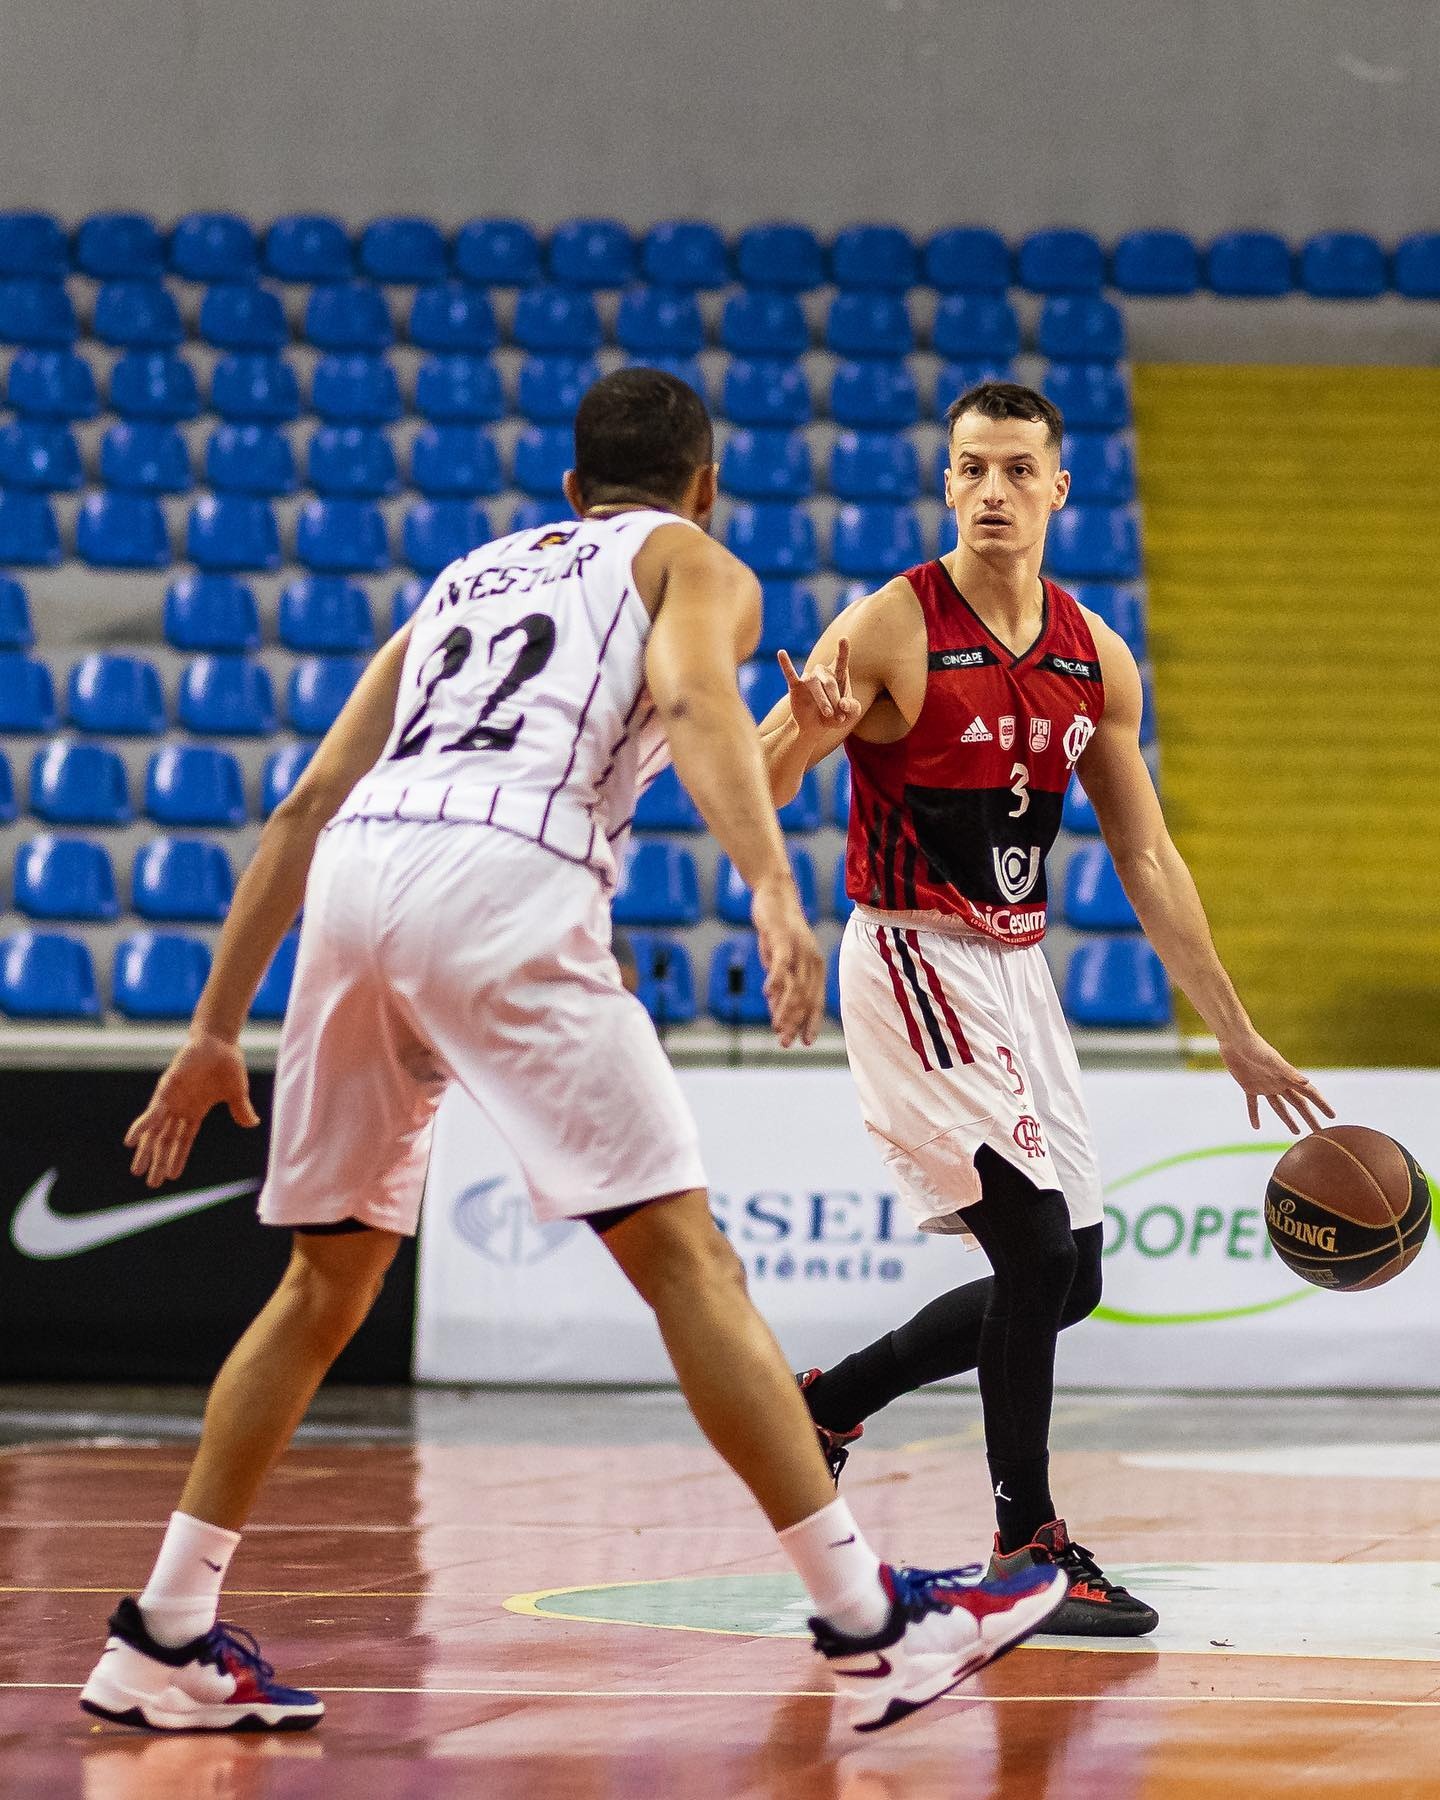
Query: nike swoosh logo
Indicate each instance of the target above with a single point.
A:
(878, 1673)
(38, 1231)
(840, 1543)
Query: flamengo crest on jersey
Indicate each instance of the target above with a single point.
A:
(958, 815)
(523, 702)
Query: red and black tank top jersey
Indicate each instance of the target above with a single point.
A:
(958, 815)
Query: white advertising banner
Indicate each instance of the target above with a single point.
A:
(1194, 1297)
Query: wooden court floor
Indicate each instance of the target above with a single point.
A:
(553, 1621)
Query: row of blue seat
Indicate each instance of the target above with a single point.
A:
(74, 878)
(222, 247)
(155, 975)
(79, 783)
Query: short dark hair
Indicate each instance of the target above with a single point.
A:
(1007, 400)
(640, 432)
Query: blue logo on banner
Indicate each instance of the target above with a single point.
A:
(497, 1221)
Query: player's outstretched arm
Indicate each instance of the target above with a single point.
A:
(1163, 893)
(208, 1070)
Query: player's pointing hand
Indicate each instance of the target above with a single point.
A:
(820, 699)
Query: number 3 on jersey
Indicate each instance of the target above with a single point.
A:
(536, 635)
(1020, 788)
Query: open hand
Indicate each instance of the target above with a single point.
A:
(820, 699)
(205, 1072)
(1265, 1075)
(793, 963)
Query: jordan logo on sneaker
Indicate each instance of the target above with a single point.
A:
(1000, 1493)
(977, 732)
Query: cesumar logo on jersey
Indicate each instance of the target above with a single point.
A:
(1017, 869)
(1077, 736)
(977, 732)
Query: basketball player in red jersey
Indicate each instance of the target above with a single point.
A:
(966, 692)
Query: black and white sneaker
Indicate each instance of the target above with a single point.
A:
(1095, 1605)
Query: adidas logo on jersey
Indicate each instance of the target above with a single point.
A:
(977, 732)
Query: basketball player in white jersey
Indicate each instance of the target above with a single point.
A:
(455, 843)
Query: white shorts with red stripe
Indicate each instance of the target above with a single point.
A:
(955, 1042)
(434, 953)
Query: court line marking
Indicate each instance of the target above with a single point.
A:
(254, 1593)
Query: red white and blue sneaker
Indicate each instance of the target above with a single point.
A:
(220, 1682)
(944, 1625)
(834, 1445)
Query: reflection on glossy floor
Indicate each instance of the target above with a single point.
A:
(1295, 1555)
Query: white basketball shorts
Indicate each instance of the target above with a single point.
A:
(434, 953)
(955, 1042)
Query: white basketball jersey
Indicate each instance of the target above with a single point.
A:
(523, 703)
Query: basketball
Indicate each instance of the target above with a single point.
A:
(1347, 1208)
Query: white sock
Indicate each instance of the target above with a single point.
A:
(182, 1596)
(840, 1569)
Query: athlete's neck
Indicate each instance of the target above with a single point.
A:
(1007, 593)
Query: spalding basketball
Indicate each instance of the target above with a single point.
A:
(1347, 1207)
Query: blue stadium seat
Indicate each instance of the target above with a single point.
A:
(308, 247)
(874, 396)
(1081, 328)
(1098, 542)
(531, 515)
(666, 978)
(47, 975)
(660, 886)
(840, 800)
(32, 243)
(497, 253)
(1076, 813)
(1102, 468)
(283, 768)
(1121, 609)
(1094, 899)
(214, 247)
(79, 784)
(227, 696)
(36, 312)
(766, 392)
(437, 532)
(458, 461)
(542, 455)
(145, 456)
(16, 630)
(764, 323)
(684, 368)
(194, 784)
(957, 378)
(406, 600)
(551, 387)
(869, 324)
(120, 246)
(403, 250)
(1061, 262)
(975, 326)
(116, 530)
(659, 322)
(250, 385)
(65, 878)
(968, 259)
(117, 694)
(232, 531)
(875, 540)
(1117, 982)
(27, 694)
(832, 983)
(762, 686)
(1092, 396)
(556, 320)
(8, 807)
(1156, 262)
(1147, 710)
(780, 256)
(1343, 265)
(874, 256)
(36, 453)
(154, 384)
(1250, 265)
(1417, 266)
(354, 462)
(803, 813)
(451, 315)
(211, 612)
(52, 384)
(766, 465)
(242, 315)
(342, 537)
(348, 315)
(772, 538)
(790, 620)
(736, 988)
(251, 459)
(317, 690)
(159, 975)
(325, 613)
(733, 898)
(874, 465)
(592, 253)
(273, 994)
(665, 806)
(459, 390)
(28, 532)
(685, 253)
(181, 878)
(355, 389)
(840, 902)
